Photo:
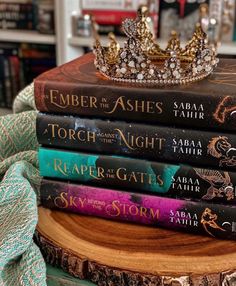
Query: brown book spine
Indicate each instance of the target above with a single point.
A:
(76, 88)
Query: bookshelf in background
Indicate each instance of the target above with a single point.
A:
(61, 39)
(27, 44)
(19, 65)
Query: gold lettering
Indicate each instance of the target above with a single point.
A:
(155, 215)
(93, 101)
(136, 210)
(133, 177)
(53, 129)
(82, 201)
(71, 134)
(117, 103)
(62, 133)
(115, 211)
(84, 169)
(72, 202)
(75, 169)
(121, 175)
(123, 138)
(100, 171)
(53, 94)
(80, 134)
(58, 166)
(61, 201)
(160, 180)
(91, 136)
(143, 212)
(74, 100)
(159, 107)
(150, 106)
(141, 106)
(84, 101)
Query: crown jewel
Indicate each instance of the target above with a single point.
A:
(142, 60)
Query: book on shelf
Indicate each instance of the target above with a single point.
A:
(27, 15)
(76, 88)
(214, 220)
(18, 15)
(165, 179)
(153, 142)
(20, 64)
(109, 15)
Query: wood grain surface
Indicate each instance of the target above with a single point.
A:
(113, 253)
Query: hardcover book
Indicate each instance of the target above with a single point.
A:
(198, 217)
(134, 174)
(210, 149)
(76, 88)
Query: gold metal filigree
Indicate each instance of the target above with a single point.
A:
(142, 60)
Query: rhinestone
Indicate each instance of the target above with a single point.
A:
(199, 68)
(207, 58)
(194, 70)
(151, 71)
(131, 64)
(172, 66)
(123, 55)
(104, 69)
(123, 70)
(165, 76)
(176, 74)
(140, 76)
(143, 65)
(208, 68)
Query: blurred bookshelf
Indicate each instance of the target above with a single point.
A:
(224, 48)
(64, 44)
(25, 36)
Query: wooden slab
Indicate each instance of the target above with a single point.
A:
(57, 277)
(114, 253)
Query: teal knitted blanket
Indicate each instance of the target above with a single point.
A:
(21, 262)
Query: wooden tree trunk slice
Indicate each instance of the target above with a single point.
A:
(117, 253)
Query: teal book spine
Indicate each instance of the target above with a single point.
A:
(135, 174)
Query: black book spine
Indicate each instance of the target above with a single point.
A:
(163, 179)
(157, 143)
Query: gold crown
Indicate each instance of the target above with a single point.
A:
(142, 60)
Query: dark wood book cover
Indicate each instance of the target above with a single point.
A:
(77, 88)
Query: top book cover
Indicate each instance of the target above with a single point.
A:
(77, 88)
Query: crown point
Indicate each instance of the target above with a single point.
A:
(143, 11)
(142, 60)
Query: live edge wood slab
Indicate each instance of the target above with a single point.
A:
(110, 253)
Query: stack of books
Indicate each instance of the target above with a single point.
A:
(116, 146)
(165, 157)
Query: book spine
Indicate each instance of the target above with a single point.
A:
(198, 217)
(132, 104)
(148, 141)
(126, 173)
(16, 16)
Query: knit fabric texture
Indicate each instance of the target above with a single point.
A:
(21, 262)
